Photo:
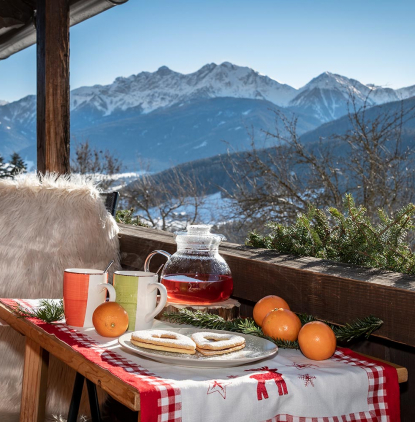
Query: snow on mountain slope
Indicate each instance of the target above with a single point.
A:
(327, 96)
(404, 93)
(21, 113)
(165, 87)
(3, 102)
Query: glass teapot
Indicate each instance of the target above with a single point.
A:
(196, 273)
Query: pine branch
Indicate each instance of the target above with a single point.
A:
(346, 236)
(351, 331)
(48, 311)
(216, 322)
(361, 327)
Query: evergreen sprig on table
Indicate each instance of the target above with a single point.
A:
(346, 333)
(48, 311)
(346, 236)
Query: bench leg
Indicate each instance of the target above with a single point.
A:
(35, 377)
(93, 401)
(76, 398)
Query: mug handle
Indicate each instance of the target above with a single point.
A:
(163, 299)
(110, 289)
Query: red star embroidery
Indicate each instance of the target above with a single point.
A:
(300, 366)
(308, 379)
(218, 387)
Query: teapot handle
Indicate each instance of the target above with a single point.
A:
(148, 259)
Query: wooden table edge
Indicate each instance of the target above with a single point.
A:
(401, 370)
(113, 385)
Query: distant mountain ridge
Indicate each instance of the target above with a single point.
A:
(212, 174)
(152, 109)
(165, 88)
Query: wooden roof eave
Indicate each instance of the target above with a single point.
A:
(18, 31)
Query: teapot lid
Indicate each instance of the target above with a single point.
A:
(199, 230)
(199, 236)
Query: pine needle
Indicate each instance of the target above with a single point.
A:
(361, 327)
(48, 311)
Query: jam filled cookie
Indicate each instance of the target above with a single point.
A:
(207, 352)
(167, 341)
(216, 343)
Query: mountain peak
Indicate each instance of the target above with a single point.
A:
(228, 65)
(207, 68)
(328, 80)
(164, 70)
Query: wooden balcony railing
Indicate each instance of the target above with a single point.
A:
(334, 292)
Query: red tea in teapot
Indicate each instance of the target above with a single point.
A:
(197, 288)
(196, 273)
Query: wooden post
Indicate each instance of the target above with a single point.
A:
(35, 376)
(52, 27)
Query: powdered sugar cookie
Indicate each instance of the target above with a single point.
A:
(217, 341)
(206, 352)
(163, 348)
(163, 340)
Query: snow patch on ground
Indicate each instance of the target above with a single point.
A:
(213, 210)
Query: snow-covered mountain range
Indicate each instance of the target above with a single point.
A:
(324, 94)
(164, 88)
(152, 98)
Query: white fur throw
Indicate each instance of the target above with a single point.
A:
(46, 226)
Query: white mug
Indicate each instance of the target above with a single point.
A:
(83, 291)
(137, 294)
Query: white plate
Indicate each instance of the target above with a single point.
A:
(256, 348)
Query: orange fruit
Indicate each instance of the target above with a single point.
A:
(281, 324)
(268, 304)
(317, 340)
(110, 319)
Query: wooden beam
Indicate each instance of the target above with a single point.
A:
(15, 12)
(335, 292)
(52, 29)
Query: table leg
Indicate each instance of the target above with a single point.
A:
(35, 376)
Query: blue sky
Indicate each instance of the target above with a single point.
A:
(289, 40)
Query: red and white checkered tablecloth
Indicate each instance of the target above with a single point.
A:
(288, 387)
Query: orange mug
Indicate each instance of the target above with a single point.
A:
(83, 291)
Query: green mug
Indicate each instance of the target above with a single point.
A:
(137, 294)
